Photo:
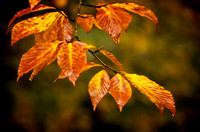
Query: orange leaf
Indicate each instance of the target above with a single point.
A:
(113, 20)
(137, 9)
(120, 90)
(99, 86)
(32, 25)
(72, 59)
(156, 93)
(27, 11)
(33, 3)
(86, 22)
(112, 58)
(61, 29)
(48, 61)
(37, 55)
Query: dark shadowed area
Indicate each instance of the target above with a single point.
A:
(169, 56)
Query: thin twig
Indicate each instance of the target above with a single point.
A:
(64, 14)
(106, 66)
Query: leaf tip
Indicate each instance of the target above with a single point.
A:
(120, 108)
(94, 108)
(30, 79)
(18, 79)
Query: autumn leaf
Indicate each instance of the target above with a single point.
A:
(98, 87)
(86, 22)
(156, 93)
(72, 59)
(112, 58)
(37, 55)
(60, 29)
(27, 11)
(113, 20)
(137, 9)
(48, 61)
(33, 3)
(32, 25)
(120, 90)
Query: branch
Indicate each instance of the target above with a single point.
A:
(106, 66)
(63, 14)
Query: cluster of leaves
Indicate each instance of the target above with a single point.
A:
(54, 38)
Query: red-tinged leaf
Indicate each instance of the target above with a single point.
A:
(32, 25)
(27, 11)
(113, 20)
(48, 61)
(112, 58)
(86, 22)
(72, 59)
(33, 3)
(120, 90)
(87, 66)
(61, 29)
(37, 55)
(156, 93)
(137, 9)
(99, 86)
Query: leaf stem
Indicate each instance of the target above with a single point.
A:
(106, 66)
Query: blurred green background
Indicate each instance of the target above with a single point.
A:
(169, 56)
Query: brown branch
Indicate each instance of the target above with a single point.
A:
(105, 65)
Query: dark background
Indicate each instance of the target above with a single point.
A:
(169, 56)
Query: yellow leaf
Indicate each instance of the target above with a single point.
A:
(137, 9)
(99, 86)
(112, 58)
(72, 59)
(32, 25)
(27, 11)
(156, 93)
(38, 54)
(120, 90)
(60, 29)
